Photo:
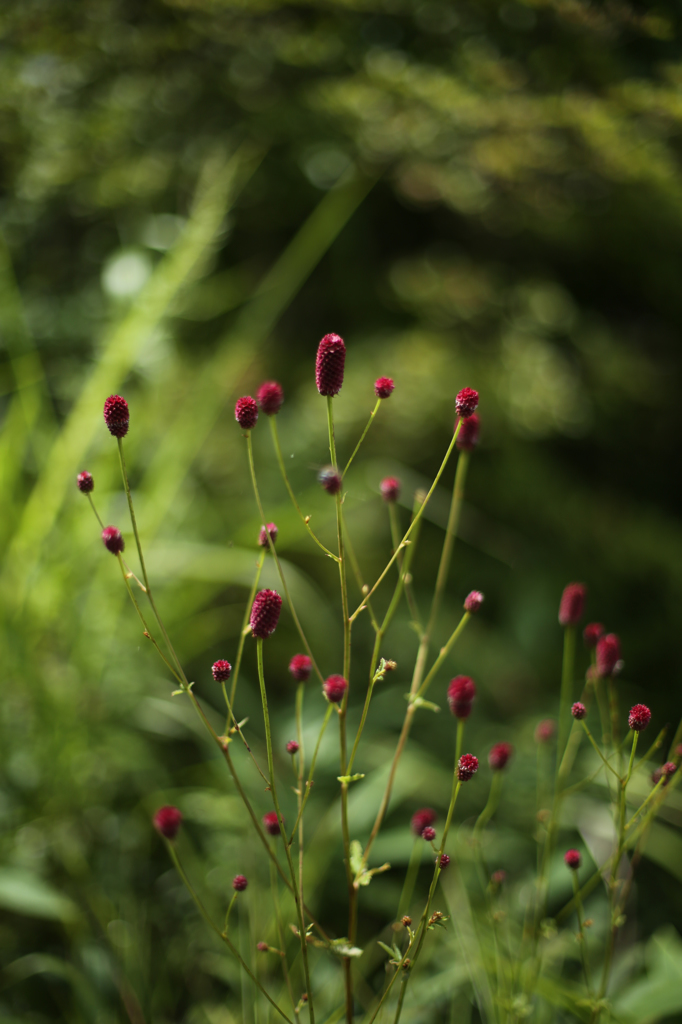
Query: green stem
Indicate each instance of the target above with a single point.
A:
(490, 807)
(300, 692)
(241, 735)
(410, 878)
(363, 435)
(243, 634)
(581, 932)
(280, 937)
(596, 747)
(566, 698)
(229, 910)
(309, 783)
(443, 653)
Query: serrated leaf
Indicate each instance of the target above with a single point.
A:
(356, 858)
(349, 778)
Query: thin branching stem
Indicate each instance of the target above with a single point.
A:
(363, 435)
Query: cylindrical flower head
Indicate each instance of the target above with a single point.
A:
(292, 747)
(85, 482)
(608, 654)
(473, 601)
(591, 634)
(239, 882)
(390, 488)
(246, 412)
(271, 529)
(117, 415)
(545, 730)
(429, 833)
(420, 819)
(113, 540)
(579, 710)
(270, 397)
(639, 717)
(499, 755)
(572, 604)
(467, 766)
(300, 667)
(167, 821)
(330, 480)
(572, 859)
(461, 693)
(221, 671)
(383, 387)
(466, 403)
(467, 439)
(444, 861)
(271, 823)
(669, 768)
(331, 356)
(334, 688)
(267, 604)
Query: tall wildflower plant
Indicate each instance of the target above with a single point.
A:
(517, 942)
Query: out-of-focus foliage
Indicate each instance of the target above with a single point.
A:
(193, 192)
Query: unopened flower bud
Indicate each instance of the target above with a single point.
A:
(579, 711)
(239, 883)
(270, 397)
(390, 488)
(608, 654)
(246, 412)
(292, 747)
(467, 439)
(270, 529)
(330, 480)
(267, 604)
(639, 717)
(85, 482)
(113, 540)
(329, 364)
(117, 415)
(167, 821)
(499, 756)
(429, 833)
(473, 601)
(334, 688)
(545, 730)
(271, 823)
(572, 604)
(444, 861)
(572, 859)
(262, 947)
(461, 693)
(591, 634)
(406, 921)
(221, 671)
(300, 667)
(498, 877)
(420, 819)
(383, 387)
(467, 766)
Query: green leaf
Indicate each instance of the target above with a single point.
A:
(22, 892)
(349, 778)
(356, 858)
(419, 702)
(388, 949)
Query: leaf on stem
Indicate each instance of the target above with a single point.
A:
(419, 702)
(349, 778)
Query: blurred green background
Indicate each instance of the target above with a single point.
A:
(193, 192)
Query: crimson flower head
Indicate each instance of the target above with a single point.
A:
(271, 823)
(270, 529)
(572, 604)
(167, 821)
(498, 877)
(422, 818)
(665, 772)
(390, 488)
(467, 439)
(300, 667)
(466, 403)
(117, 415)
(330, 479)
(669, 768)
(334, 688)
(262, 947)
(444, 861)
(221, 670)
(591, 633)
(639, 717)
(85, 482)
(461, 693)
(579, 711)
(499, 755)
(270, 397)
(608, 654)
(429, 833)
(292, 747)
(545, 730)
(113, 540)
(383, 387)
(331, 356)
(246, 412)
(467, 766)
(473, 601)
(267, 604)
(572, 859)
(239, 883)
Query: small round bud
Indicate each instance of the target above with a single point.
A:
(330, 480)
(267, 604)
(669, 768)
(499, 756)
(390, 488)
(572, 859)
(665, 772)
(591, 634)
(639, 717)
(239, 883)
(117, 415)
(85, 483)
(167, 821)
(113, 540)
(262, 947)
(608, 654)
(461, 693)
(329, 364)
(572, 604)
(579, 711)
(466, 403)
(498, 877)
(271, 823)
(300, 667)
(444, 861)
(334, 688)
(467, 766)
(221, 671)
(406, 921)
(246, 412)
(429, 833)
(270, 529)
(422, 818)
(270, 397)
(545, 730)
(383, 387)
(467, 439)
(473, 601)
(292, 747)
